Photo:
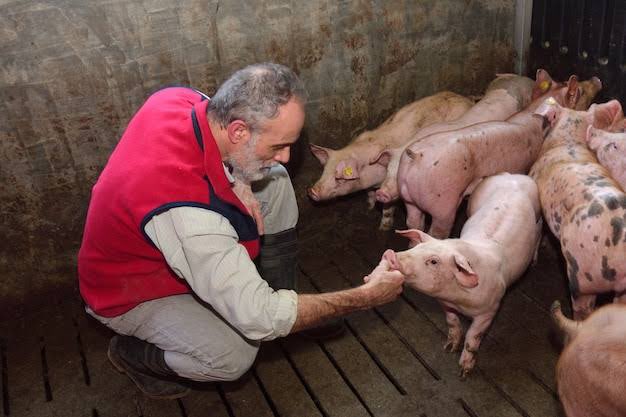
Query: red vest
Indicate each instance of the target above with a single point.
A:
(166, 158)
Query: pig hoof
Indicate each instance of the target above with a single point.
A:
(464, 373)
(451, 346)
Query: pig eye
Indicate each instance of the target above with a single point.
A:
(432, 261)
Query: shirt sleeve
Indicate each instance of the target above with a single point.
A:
(202, 247)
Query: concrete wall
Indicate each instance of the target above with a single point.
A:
(72, 72)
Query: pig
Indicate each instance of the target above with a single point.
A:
(437, 172)
(470, 275)
(505, 95)
(351, 169)
(610, 149)
(591, 371)
(582, 205)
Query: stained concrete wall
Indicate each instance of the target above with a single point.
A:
(72, 72)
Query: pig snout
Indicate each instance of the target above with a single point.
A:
(383, 196)
(313, 194)
(392, 259)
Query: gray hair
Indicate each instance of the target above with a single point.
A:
(254, 94)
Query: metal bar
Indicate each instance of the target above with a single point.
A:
(523, 17)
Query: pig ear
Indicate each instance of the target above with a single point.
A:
(415, 236)
(607, 115)
(464, 274)
(347, 169)
(543, 82)
(591, 133)
(322, 154)
(381, 158)
(549, 109)
(573, 92)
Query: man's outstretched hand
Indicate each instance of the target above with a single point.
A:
(383, 285)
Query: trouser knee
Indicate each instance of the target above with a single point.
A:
(231, 365)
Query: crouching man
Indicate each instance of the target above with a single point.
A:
(174, 224)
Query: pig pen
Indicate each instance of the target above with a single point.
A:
(389, 361)
(74, 72)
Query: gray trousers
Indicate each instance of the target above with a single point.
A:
(198, 343)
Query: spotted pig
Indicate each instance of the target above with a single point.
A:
(583, 206)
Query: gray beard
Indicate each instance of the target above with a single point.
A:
(250, 169)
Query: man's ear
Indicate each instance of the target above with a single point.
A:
(238, 131)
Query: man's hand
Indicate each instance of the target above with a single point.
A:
(383, 285)
(244, 192)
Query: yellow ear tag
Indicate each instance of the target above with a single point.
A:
(551, 101)
(544, 85)
(347, 171)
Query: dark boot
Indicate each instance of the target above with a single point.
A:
(278, 260)
(278, 265)
(145, 365)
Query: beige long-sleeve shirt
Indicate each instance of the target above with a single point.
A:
(202, 247)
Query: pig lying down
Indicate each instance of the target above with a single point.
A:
(470, 275)
(354, 168)
(584, 208)
(610, 148)
(591, 372)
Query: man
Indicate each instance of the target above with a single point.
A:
(166, 257)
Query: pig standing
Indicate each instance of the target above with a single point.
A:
(470, 275)
(351, 169)
(583, 206)
(505, 96)
(610, 148)
(591, 372)
(437, 172)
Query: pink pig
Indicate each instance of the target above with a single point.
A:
(470, 275)
(584, 208)
(591, 372)
(437, 172)
(610, 148)
(354, 168)
(506, 95)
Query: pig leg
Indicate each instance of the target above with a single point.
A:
(386, 222)
(473, 338)
(443, 221)
(455, 330)
(414, 217)
(620, 297)
(539, 239)
(371, 199)
(583, 305)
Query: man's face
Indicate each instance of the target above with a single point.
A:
(270, 145)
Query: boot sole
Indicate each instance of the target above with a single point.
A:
(121, 369)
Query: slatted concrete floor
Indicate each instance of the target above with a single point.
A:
(390, 362)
